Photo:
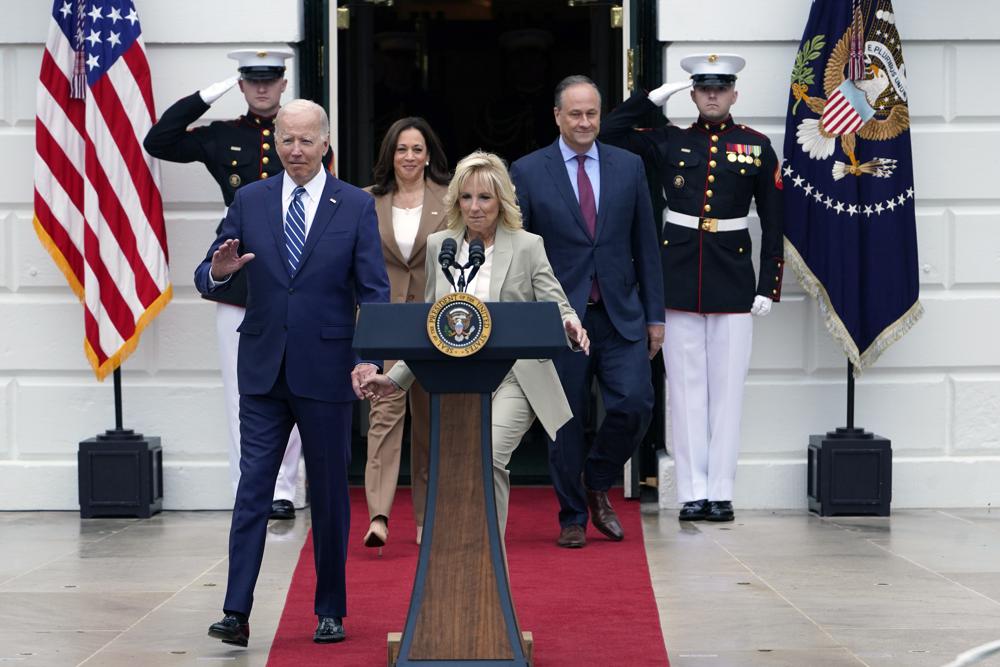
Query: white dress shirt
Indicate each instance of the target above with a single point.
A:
(480, 285)
(310, 200)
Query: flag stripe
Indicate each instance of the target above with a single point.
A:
(57, 85)
(58, 237)
(139, 67)
(92, 331)
(116, 221)
(58, 165)
(138, 113)
(110, 299)
(120, 130)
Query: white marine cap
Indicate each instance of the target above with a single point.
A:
(261, 64)
(713, 69)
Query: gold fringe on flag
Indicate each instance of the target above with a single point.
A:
(128, 347)
(860, 359)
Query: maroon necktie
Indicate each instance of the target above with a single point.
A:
(588, 207)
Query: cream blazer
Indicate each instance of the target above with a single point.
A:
(520, 272)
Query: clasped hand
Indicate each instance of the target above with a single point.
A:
(376, 386)
(577, 336)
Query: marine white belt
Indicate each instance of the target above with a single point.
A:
(706, 224)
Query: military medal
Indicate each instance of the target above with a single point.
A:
(234, 180)
(678, 181)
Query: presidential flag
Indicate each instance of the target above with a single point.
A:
(97, 194)
(850, 228)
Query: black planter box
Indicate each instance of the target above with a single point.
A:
(120, 476)
(849, 475)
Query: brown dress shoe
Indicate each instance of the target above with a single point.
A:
(603, 516)
(572, 537)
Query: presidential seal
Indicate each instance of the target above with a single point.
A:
(459, 324)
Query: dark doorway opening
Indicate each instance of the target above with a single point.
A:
(481, 71)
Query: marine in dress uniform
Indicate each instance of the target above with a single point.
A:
(710, 171)
(235, 152)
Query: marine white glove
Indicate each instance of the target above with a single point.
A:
(659, 96)
(761, 306)
(213, 92)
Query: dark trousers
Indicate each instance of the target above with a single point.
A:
(623, 376)
(265, 422)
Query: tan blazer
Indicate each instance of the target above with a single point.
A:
(520, 272)
(406, 277)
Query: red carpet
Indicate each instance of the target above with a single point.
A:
(590, 606)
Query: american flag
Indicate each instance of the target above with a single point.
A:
(98, 209)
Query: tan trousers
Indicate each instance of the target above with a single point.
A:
(385, 442)
(512, 417)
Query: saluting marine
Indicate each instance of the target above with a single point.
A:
(235, 152)
(710, 171)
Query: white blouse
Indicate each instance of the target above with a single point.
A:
(480, 285)
(405, 223)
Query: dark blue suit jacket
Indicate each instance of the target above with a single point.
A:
(307, 319)
(624, 255)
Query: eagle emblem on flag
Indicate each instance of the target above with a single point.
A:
(865, 86)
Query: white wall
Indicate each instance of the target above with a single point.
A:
(49, 399)
(935, 394)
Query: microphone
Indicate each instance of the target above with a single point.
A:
(446, 258)
(477, 255)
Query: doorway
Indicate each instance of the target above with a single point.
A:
(480, 71)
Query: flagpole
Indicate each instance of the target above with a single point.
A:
(849, 431)
(119, 432)
(118, 399)
(850, 396)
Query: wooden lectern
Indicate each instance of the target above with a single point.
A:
(460, 612)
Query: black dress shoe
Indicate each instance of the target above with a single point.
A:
(694, 510)
(720, 510)
(329, 630)
(283, 510)
(231, 630)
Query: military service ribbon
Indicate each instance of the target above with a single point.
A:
(850, 227)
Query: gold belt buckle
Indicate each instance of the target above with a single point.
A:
(710, 224)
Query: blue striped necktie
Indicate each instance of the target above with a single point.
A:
(295, 230)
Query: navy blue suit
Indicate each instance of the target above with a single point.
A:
(294, 366)
(624, 257)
